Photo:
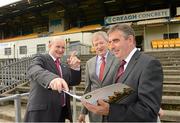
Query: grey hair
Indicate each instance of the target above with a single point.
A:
(56, 38)
(100, 33)
(126, 29)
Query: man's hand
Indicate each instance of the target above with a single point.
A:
(161, 112)
(81, 118)
(73, 61)
(102, 108)
(58, 84)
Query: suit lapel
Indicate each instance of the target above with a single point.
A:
(130, 66)
(93, 69)
(109, 62)
(52, 64)
(64, 69)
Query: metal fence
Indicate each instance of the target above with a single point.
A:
(13, 72)
(17, 104)
(82, 49)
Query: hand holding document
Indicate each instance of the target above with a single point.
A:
(110, 94)
(73, 95)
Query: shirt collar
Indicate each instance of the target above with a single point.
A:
(99, 57)
(130, 55)
(54, 59)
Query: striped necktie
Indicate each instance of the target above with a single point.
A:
(120, 70)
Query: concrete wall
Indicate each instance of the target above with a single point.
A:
(83, 38)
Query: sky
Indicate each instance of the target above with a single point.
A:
(7, 2)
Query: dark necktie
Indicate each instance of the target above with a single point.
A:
(57, 62)
(120, 70)
(63, 98)
(102, 67)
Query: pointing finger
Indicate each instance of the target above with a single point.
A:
(73, 53)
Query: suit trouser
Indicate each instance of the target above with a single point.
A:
(63, 114)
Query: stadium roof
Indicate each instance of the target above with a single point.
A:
(38, 12)
(80, 9)
(7, 2)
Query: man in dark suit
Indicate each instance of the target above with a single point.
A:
(48, 77)
(95, 76)
(141, 72)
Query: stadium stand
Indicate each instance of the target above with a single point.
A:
(29, 36)
(29, 19)
(82, 29)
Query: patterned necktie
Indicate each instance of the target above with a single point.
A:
(102, 67)
(120, 70)
(63, 97)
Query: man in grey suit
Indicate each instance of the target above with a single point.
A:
(48, 77)
(95, 76)
(141, 72)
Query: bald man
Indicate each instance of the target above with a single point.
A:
(48, 77)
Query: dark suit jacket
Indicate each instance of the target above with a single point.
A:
(93, 82)
(44, 104)
(144, 74)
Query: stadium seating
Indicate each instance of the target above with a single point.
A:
(160, 43)
(77, 29)
(33, 35)
(154, 44)
(165, 43)
(171, 43)
(177, 42)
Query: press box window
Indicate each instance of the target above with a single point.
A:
(7, 51)
(23, 49)
(41, 48)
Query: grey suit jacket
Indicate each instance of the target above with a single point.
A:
(92, 81)
(44, 104)
(144, 74)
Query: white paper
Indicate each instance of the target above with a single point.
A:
(73, 95)
(110, 93)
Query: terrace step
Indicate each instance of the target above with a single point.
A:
(171, 100)
(170, 115)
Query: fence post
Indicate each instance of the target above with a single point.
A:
(17, 104)
(74, 106)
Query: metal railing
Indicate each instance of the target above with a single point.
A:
(17, 104)
(13, 73)
(82, 49)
